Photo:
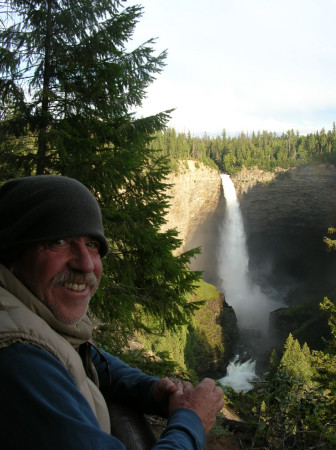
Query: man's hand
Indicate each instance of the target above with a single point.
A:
(205, 399)
(161, 393)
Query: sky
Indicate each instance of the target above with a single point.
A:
(242, 65)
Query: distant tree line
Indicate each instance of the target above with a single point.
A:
(266, 150)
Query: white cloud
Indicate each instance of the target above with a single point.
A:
(243, 65)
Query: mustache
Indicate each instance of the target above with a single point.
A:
(72, 277)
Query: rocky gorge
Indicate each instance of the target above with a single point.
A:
(286, 214)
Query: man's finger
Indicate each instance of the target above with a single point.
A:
(187, 386)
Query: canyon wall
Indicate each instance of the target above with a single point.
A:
(195, 194)
(290, 200)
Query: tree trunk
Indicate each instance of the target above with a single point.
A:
(42, 137)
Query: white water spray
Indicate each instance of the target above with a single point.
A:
(251, 305)
(240, 376)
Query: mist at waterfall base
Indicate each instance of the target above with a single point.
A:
(251, 305)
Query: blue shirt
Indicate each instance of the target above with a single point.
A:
(42, 408)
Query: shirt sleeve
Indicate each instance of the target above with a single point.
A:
(184, 431)
(120, 382)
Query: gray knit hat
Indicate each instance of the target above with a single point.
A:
(46, 207)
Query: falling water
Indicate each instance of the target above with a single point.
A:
(251, 305)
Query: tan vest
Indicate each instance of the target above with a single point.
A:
(29, 321)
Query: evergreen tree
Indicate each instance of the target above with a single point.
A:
(67, 80)
(330, 243)
(68, 84)
(297, 361)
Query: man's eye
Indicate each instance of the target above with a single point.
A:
(56, 243)
(59, 242)
(93, 244)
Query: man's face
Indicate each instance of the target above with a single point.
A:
(63, 274)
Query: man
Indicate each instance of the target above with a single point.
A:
(52, 379)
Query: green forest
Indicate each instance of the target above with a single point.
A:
(69, 78)
(265, 149)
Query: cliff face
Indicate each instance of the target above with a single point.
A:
(286, 215)
(194, 195)
(292, 200)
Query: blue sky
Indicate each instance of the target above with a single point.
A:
(243, 65)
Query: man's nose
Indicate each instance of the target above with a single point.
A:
(81, 258)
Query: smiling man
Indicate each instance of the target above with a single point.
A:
(52, 376)
(64, 274)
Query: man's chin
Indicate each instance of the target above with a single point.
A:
(69, 319)
(69, 314)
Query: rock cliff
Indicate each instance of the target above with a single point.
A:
(286, 215)
(294, 200)
(194, 195)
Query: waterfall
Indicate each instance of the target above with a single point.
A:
(251, 305)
